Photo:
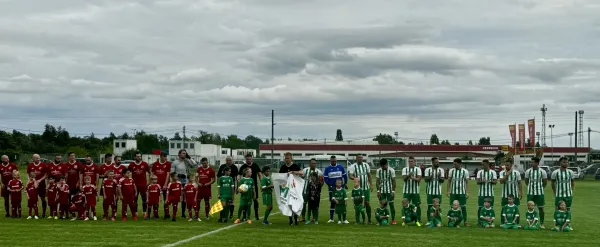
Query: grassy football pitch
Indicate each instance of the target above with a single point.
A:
(43, 232)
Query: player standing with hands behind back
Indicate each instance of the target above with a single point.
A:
(205, 177)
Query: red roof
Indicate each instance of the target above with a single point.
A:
(404, 148)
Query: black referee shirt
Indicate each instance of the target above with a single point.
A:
(292, 168)
(234, 171)
(255, 170)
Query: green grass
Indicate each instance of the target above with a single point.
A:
(22, 232)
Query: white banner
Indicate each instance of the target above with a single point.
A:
(288, 193)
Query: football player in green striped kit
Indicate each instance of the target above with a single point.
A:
(386, 186)
(536, 180)
(486, 179)
(434, 176)
(362, 171)
(458, 188)
(412, 177)
(563, 183)
(511, 185)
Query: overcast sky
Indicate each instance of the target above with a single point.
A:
(461, 69)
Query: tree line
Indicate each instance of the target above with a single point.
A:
(58, 140)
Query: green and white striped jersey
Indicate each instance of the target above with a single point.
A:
(386, 178)
(434, 187)
(307, 171)
(487, 187)
(411, 186)
(511, 185)
(536, 181)
(458, 185)
(361, 171)
(563, 182)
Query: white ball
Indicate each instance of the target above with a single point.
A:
(243, 188)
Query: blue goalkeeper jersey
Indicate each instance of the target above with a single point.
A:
(333, 173)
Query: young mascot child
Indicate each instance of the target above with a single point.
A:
(225, 192)
(487, 214)
(455, 216)
(531, 216)
(52, 192)
(91, 198)
(340, 197)
(191, 194)
(267, 192)
(32, 197)
(382, 214)
(359, 202)
(153, 195)
(15, 187)
(109, 195)
(435, 214)
(173, 195)
(314, 198)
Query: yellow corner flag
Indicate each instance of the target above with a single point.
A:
(217, 207)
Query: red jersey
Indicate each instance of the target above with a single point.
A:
(6, 171)
(118, 172)
(190, 193)
(161, 170)
(154, 194)
(79, 200)
(32, 191)
(39, 170)
(174, 190)
(139, 172)
(63, 193)
(110, 190)
(52, 193)
(74, 169)
(15, 186)
(90, 194)
(205, 175)
(104, 168)
(57, 170)
(90, 170)
(127, 189)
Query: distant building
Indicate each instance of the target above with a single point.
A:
(122, 145)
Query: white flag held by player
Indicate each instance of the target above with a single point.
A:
(288, 193)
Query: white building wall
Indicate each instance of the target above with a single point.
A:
(121, 145)
(192, 147)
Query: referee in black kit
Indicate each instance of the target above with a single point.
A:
(291, 168)
(234, 173)
(256, 177)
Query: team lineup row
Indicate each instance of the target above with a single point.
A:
(132, 183)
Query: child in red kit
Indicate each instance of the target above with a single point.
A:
(109, 188)
(32, 197)
(52, 193)
(153, 195)
(127, 192)
(78, 205)
(15, 186)
(191, 193)
(89, 190)
(63, 198)
(173, 195)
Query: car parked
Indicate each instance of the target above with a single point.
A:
(597, 176)
(546, 169)
(577, 172)
(591, 169)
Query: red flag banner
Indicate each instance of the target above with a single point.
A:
(522, 136)
(531, 125)
(513, 134)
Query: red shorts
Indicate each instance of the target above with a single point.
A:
(15, 197)
(32, 203)
(173, 200)
(42, 189)
(204, 193)
(91, 204)
(141, 189)
(192, 205)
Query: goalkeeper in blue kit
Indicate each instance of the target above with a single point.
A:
(331, 174)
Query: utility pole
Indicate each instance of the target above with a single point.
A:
(184, 137)
(272, 136)
(134, 133)
(576, 134)
(589, 159)
(396, 134)
(552, 141)
(570, 139)
(544, 109)
(580, 133)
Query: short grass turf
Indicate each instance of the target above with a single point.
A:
(43, 232)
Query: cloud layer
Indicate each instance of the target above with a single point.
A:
(461, 69)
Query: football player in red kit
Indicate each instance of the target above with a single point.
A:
(140, 170)
(173, 195)
(205, 177)
(118, 168)
(89, 190)
(105, 167)
(161, 170)
(78, 205)
(191, 193)
(153, 195)
(41, 173)
(127, 193)
(15, 187)
(89, 169)
(63, 197)
(6, 170)
(52, 193)
(73, 179)
(32, 198)
(57, 169)
(109, 186)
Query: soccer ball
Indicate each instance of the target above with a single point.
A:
(243, 188)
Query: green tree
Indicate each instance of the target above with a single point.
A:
(484, 141)
(470, 142)
(234, 142)
(177, 137)
(252, 142)
(79, 151)
(129, 154)
(456, 144)
(384, 139)
(434, 139)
